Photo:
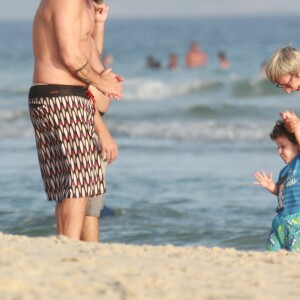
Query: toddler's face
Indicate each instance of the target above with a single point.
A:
(286, 149)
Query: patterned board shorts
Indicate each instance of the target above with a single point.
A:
(285, 233)
(63, 121)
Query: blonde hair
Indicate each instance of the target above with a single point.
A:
(283, 62)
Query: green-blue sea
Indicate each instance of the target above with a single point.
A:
(189, 140)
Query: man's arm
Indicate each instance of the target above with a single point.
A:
(109, 148)
(292, 123)
(67, 21)
(101, 12)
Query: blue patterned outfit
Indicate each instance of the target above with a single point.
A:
(285, 232)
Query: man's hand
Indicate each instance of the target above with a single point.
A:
(109, 148)
(291, 121)
(111, 84)
(101, 12)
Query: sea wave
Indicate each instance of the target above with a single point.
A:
(160, 87)
(14, 90)
(13, 115)
(144, 89)
(209, 130)
(16, 131)
(253, 88)
(223, 111)
(190, 129)
(14, 124)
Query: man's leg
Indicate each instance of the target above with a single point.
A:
(71, 213)
(90, 229)
(58, 218)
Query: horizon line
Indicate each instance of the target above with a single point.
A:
(168, 16)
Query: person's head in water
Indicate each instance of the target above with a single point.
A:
(223, 60)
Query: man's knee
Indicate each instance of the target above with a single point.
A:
(72, 217)
(73, 206)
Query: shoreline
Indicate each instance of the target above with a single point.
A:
(44, 268)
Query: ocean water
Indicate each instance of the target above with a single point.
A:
(189, 140)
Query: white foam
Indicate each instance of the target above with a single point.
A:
(210, 130)
(158, 89)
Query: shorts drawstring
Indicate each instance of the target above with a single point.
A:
(92, 97)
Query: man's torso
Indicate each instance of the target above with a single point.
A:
(49, 67)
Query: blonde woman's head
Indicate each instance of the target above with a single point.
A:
(284, 61)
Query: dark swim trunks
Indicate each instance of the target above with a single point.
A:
(63, 121)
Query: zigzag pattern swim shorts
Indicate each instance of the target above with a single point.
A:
(63, 121)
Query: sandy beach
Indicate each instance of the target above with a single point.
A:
(55, 267)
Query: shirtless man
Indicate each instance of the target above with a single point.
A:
(63, 111)
(195, 58)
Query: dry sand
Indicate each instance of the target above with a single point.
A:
(58, 268)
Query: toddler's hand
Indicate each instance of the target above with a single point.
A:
(263, 179)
